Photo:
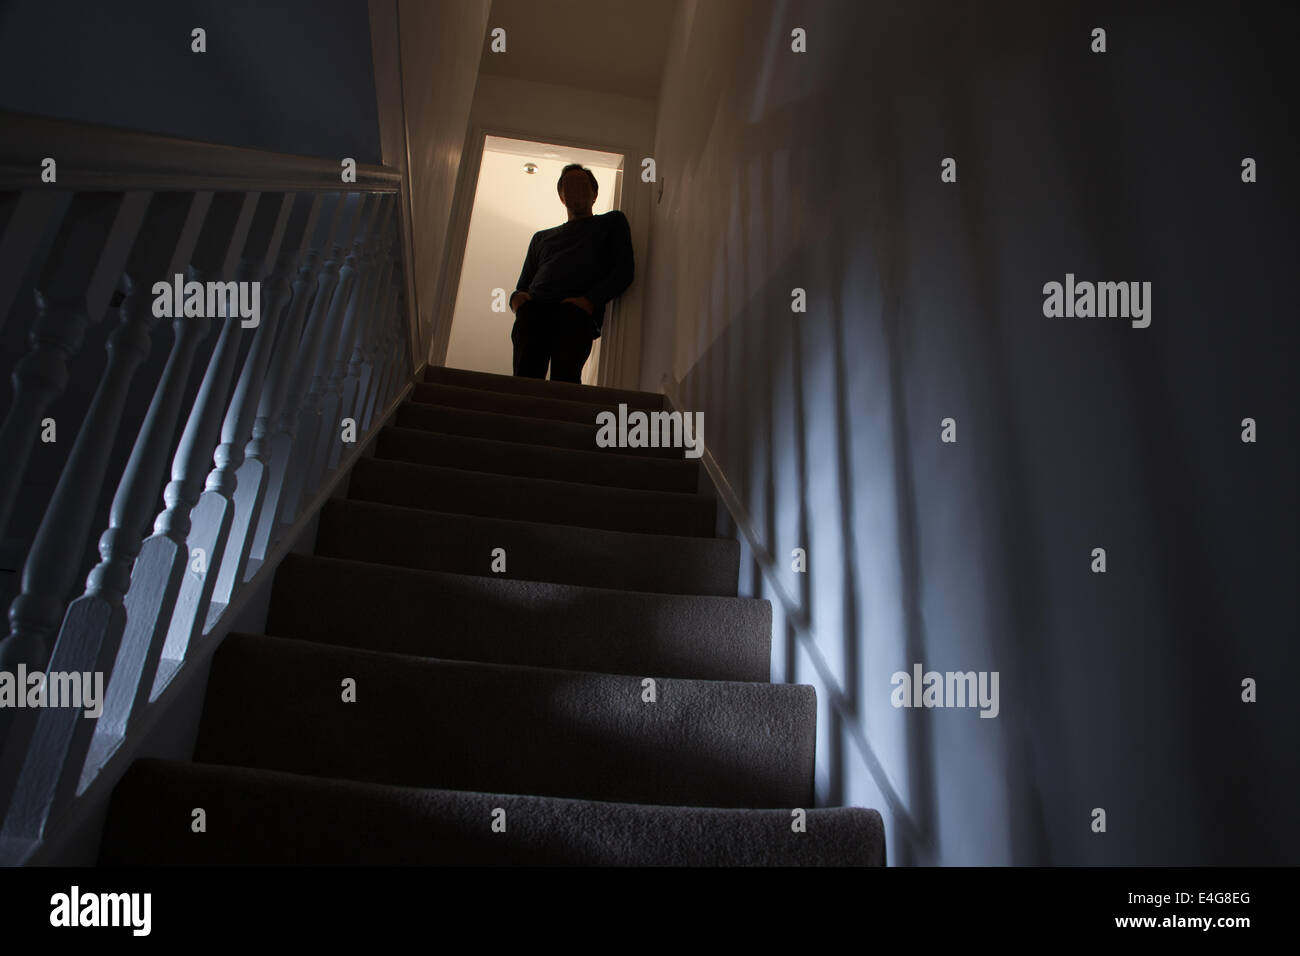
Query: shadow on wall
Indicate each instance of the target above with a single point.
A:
(1118, 691)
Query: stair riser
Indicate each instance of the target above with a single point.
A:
(277, 705)
(463, 617)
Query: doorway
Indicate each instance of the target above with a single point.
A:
(515, 197)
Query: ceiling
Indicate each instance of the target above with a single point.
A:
(615, 46)
(569, 154)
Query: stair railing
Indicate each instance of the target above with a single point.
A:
(96, 224)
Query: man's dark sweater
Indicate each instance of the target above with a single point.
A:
(591, 257)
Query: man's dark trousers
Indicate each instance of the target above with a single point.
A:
(555, 333)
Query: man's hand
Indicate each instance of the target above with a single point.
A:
(582, 302)
(526, 297)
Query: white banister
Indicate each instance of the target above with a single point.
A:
(213, 516)
(375, 339)
(107, 585)
(33, 214)
(333, 409)
(304, 473)
(164, 556)
(252, 474)
(129, 211)
(280, 505)
(64, 311)
(354, 336)
(89, 640)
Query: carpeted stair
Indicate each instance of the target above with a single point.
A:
(501, 717)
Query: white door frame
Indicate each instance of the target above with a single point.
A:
(620, 340)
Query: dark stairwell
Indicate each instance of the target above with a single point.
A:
(523, 691)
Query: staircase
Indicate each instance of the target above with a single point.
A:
(501, 717)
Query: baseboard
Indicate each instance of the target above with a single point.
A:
(737, 523)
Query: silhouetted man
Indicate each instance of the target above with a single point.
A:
(570, 272)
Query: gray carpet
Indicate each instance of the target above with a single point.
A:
(476, 617)
(538, 461)
(274, 818)
(521, 690)
(563, 554)
(522, 428)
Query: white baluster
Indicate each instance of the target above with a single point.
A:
(34, 213)
(253, 474)
(213, 515)
(48, 575)
(89, 639)
(303, 477)
(386, 343)
(291, 440)
(74, 288)
(362, 310)
(165, 557)
(375, 341)
(110, 582)
(332, 413)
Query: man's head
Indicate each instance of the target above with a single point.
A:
(577, 188)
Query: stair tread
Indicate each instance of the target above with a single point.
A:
(451, 489)
(531, 386)
(499, 588)
(519, 428)
(274, 818)
(474, 617)
(473, 453)
(442, 541)
(277, 703)
(534, 406)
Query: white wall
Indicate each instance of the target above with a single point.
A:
(553, 112)
(509, 207)
(440, 47)
(573, 117)
(821, 171)
(385, 52)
